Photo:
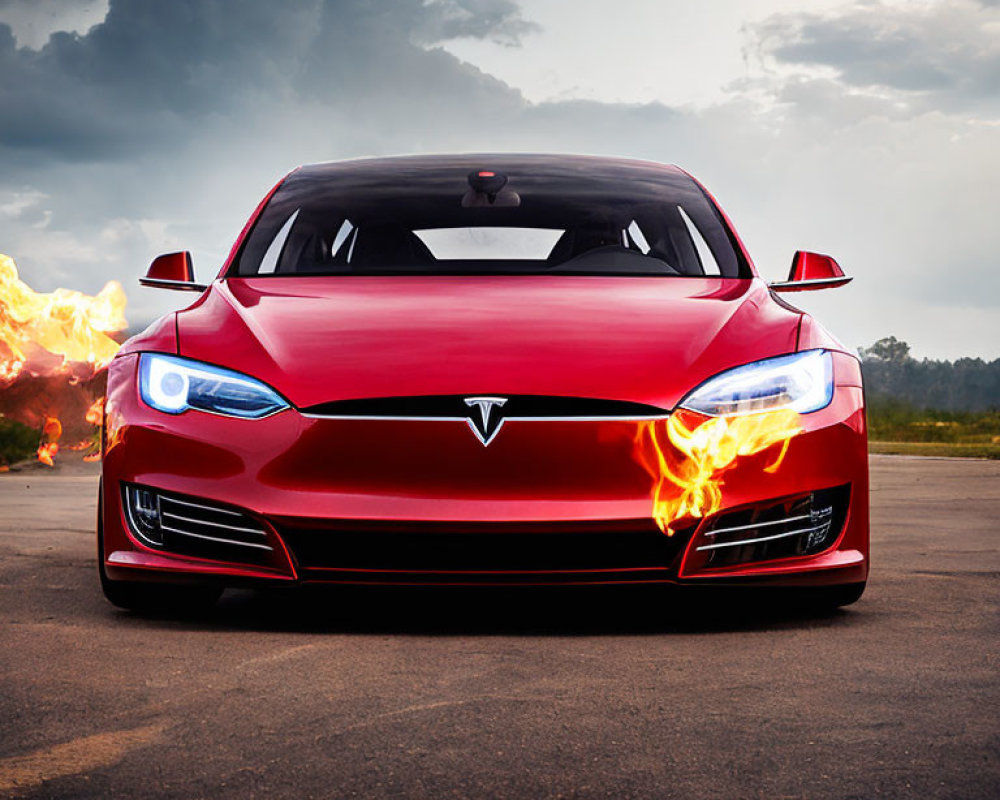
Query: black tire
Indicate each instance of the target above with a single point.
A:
(140, 596)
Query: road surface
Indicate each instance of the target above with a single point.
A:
(522, 695)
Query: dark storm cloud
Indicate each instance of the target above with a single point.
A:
(160, 128)
(154, 69)
(947, 54)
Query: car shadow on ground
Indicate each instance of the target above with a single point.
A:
(486, 611)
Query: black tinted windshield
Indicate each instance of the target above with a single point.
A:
(490, 215)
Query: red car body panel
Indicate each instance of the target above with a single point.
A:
(323, 339)
(405, 336)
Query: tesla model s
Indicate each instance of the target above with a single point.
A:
(485, 369)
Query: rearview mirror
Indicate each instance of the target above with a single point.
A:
(811, 271)
(172, 271)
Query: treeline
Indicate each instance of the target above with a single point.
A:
(894, 379)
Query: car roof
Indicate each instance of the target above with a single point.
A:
(602, 167)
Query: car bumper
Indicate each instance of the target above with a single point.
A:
(404, 502)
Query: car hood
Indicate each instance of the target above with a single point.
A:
(645, 340)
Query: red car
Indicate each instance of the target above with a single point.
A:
(485, 369)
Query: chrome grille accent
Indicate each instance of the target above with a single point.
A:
(756, 525)
(739, 543)
(196, 528)
(796, 526)
(211, 524)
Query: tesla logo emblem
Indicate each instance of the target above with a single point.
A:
(484, 423)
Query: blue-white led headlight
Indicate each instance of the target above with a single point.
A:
(174, 385)
(801, 382)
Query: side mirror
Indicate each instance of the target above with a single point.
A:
(172, 271)
(811, 271)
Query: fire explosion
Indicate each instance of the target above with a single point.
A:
(53, 350)
(688, 453)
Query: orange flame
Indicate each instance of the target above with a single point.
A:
(114, 428)
(95, 414)
(57, 336)
(63, 323)
(687, 467)
(49, 445)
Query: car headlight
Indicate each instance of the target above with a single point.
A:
(174, 385)
(802, 382)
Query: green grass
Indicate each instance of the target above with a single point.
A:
(17, 441)
(896, 428)
(945, 449)
(893, 421)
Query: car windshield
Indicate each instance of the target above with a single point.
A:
(489, 215)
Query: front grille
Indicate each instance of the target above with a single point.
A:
(483, 553)
(797, 526)
(195, 527)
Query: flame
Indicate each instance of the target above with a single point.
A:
(50, 344)
(63, 323)
(49, 445)
(95, 414)
(687, 455)
(114, 428)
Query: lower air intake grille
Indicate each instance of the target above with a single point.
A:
(483, 554)
(195, 527)
(797, 526)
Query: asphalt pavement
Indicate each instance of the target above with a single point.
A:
(523, 694)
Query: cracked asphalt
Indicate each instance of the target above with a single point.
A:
(522, 694)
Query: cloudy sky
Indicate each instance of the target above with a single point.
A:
(868, 130)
